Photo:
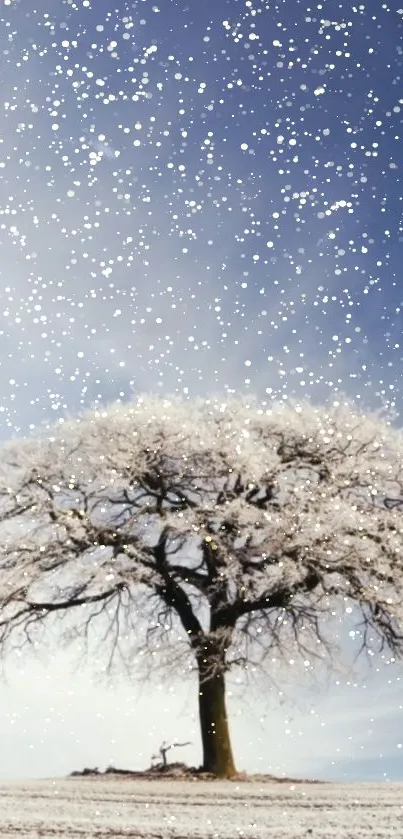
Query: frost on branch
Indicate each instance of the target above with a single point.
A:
(211, 532)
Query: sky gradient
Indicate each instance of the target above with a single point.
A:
(195, 198)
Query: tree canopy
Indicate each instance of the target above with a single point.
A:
(209, 534)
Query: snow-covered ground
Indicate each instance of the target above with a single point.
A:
(93, 809)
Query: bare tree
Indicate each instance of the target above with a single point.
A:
(203, 536)
(163, 751)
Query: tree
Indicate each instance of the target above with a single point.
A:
(205, 535)
(163, 751)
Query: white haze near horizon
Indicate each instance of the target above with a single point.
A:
(75, 332)
(55, 718)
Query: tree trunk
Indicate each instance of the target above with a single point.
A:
(216, 741)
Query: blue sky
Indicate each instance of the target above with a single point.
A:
(199, 197)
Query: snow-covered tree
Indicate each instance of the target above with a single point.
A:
(205, 535)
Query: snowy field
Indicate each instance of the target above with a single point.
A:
(92, 809)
